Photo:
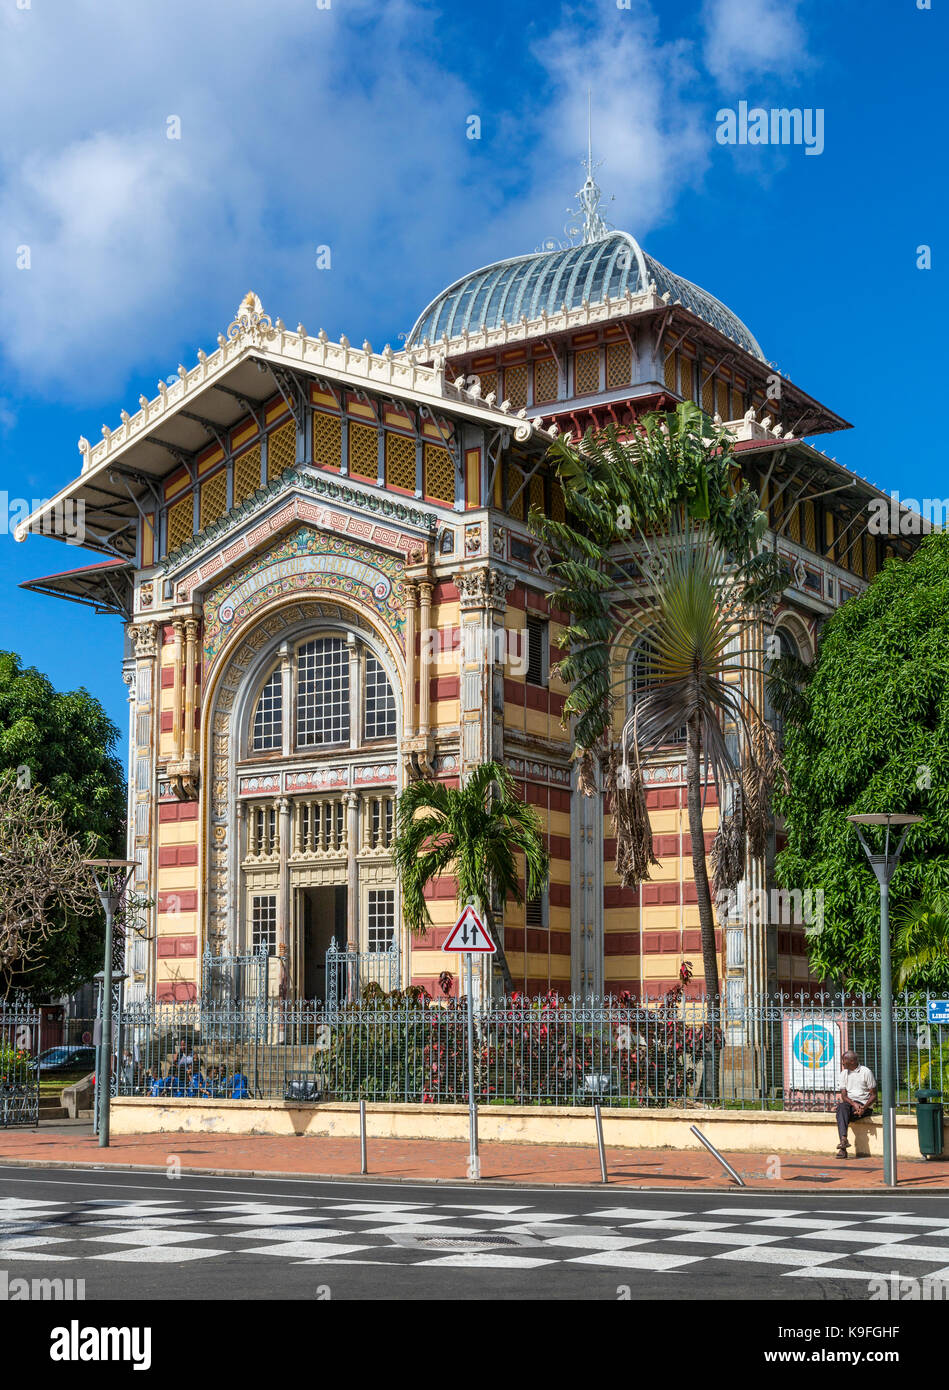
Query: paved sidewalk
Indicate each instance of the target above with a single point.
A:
(445, 1161)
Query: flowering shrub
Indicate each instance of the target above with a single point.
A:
(16, 1067)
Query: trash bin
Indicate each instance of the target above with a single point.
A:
(929, 1123)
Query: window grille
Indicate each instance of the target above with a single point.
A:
(327, 440)
(670, 369)
(586, 372)
(439, 474)
(381, 919)
(281, 450)
(180, 522)
(364, 451)
(214, 498)
(380, 702)
(268, 717)
(686, 378)
(536, 651)
(322, 692)
(618, 365)
(489, 383)
(400, 461)
(264, 922)
(246, 475)
(515, 386)
(546, 385)
(534, 911)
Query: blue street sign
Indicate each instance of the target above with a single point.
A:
(939, 1010)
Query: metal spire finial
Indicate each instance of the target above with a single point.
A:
(594, 226)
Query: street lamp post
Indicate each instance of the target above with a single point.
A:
(884, 867)
(111, 880)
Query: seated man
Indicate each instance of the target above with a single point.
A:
(857, 1090)
(239, 1089)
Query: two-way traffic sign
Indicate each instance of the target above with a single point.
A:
(470, 935)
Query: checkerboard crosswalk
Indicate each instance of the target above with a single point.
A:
(794, 1243)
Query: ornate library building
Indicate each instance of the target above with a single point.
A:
(320, 556)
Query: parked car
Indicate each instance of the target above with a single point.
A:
(67, 1059)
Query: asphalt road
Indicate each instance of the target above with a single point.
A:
(150, 1237)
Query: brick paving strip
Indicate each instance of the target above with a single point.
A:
(423, 1160)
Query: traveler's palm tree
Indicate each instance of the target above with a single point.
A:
(921, 942)
(474, 833)
(662, 549)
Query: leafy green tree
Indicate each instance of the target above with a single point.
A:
(661, 512)
(871, 735)
(475, 833)
(62, 743)
(921, 943)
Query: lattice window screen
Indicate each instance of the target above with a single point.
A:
(558, 508)
(246, 475)
(327, 440)
(214, 498)
(810, 526)
(708, 396)
(619, 364)
(536, 486)
(545, 381)
(586, 372)
(400, 461)
(439, 474)
(180, 522)
(686, 381)
(364, 451)
(870, 555)
(723, 401)
(281, 450)
(489, 383)
(515, 385)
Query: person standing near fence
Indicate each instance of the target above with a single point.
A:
(857, 1091)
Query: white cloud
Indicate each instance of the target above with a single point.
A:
(748, 39)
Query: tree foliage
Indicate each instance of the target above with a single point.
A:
(872, 735)
(62, 744)
(473, 832)
(43, 881)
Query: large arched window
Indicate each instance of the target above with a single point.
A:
(267, 731)
(322, 692)
(330, 680)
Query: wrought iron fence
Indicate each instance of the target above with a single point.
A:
(19, 1074)
(544, 1051)
(348, 973)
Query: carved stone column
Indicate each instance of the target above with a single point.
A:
(283, 892)
(408, 710)
(483, 591)
(424, 685)
(352, 871)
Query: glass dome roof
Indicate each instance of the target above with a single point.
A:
(528, 285)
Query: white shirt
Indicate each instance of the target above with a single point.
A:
(858, 1084)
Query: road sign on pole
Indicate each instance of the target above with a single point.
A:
(470, 937)
(470, 934)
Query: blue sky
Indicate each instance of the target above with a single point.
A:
(345, 127)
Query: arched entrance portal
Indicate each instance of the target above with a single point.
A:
(305, 727)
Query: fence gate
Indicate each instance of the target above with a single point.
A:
(349, 972)
(19, 1073)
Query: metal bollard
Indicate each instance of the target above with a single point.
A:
(363, 1165)
(599, 1141)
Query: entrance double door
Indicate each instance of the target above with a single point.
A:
(320, 915)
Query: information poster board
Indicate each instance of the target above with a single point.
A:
(813, 1047)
